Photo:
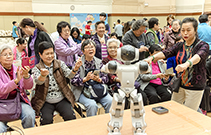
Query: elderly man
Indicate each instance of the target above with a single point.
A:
(137, 38)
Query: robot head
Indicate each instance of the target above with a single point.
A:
(127, 54)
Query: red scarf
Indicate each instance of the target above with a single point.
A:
(13, 93)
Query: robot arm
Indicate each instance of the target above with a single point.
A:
(144, 67)
(110, 67)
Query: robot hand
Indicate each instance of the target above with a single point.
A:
(110, 67)
(144, 67)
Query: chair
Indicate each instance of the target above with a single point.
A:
(84, 108)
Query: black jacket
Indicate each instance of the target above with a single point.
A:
(41, 36)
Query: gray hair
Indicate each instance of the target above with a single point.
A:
(137, 24)
(4, 47)
(176, 20)
(113, 40)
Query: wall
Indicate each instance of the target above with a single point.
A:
(53, 11)
(64, 6)
(15, 5)
(50, 22)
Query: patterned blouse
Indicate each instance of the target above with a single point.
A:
(78, 81)
(194, 77)
(54, 95)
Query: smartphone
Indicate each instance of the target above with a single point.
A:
(160, 110)
(28, 61)
(96, 72)
(25, 61)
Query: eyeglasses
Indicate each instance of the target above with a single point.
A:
(66, 31)
(113, 47)
(6, 55)
(88, 48)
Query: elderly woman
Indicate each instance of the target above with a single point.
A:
(191, 57)
(66, 49)
(170, 37)
(11, 79)
(90, 62)
(114, 82)
(52, 92)
(37, 34)
(137, 38)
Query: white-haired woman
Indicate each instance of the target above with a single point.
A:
(114, 82)
(11, 79)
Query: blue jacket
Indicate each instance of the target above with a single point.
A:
(204, 33)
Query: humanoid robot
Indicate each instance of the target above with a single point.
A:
(127, 74)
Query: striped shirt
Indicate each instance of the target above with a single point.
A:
(104, 51)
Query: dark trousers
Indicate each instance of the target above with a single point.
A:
(157, 93)
(64, 108)
(120, 38)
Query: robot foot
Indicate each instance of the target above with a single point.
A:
(115, 131)
(139, 132)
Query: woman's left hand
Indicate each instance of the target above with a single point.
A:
(181, 67)
(25, 71)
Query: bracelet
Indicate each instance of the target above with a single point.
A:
(153, 58)
(74, 71)
(42, 76)
(190, 62)
(27, 77)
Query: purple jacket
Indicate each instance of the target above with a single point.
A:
(65, 53)
(7, 85)
(98, 52)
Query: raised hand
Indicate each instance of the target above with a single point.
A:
(77, 64)
(19, 75)
(25, 71)
(44, 72)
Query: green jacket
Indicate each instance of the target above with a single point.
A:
(152, 39)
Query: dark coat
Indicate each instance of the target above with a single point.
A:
(41, 36)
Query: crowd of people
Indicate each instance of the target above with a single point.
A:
(68, 68)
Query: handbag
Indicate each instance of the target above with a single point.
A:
(93, 89)
(10, 109)
(174, 84)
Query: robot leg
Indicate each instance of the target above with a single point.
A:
(116, 113)
(137, 113)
